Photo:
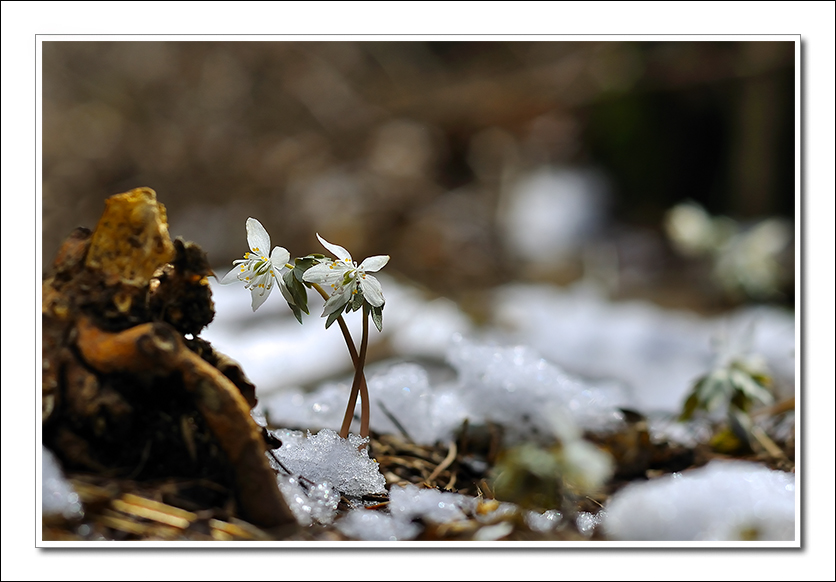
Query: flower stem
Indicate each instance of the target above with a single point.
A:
(360, 378)
(358, 368)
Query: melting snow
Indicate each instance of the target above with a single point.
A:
(58, 496)
(325, 457)
(657, 352)
(563, 361)
(407, 506)
(368, 525)
(723, 501)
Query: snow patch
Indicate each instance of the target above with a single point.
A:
(58, 496)
(723, 501)
(326, 458)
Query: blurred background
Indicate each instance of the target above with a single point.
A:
(472, 164)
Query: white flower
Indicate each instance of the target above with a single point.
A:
(345, 277)
(258, 271)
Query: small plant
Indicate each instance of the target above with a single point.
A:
(734, 386)
(738, 381)
(342, 283)
(745, 261)
(541, 477)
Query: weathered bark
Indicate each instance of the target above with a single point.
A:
(124, 391)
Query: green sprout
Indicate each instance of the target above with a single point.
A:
(548, 477)
(735, 385)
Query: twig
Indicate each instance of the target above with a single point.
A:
(775, 409)
(146, 452)
(395, 421)
(595, 502)
(278, 461)
(448, 460)
(767, 443)
(451, 482)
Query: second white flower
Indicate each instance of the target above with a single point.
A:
(343, 278)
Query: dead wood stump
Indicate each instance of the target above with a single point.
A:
(129, 389)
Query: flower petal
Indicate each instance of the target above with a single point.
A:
(373, 264)
(260, 295)
(372, 290)
(336, 301)
(337, 250)
(279, 257)
(232, 276)
(328, 273)
(257, 237)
